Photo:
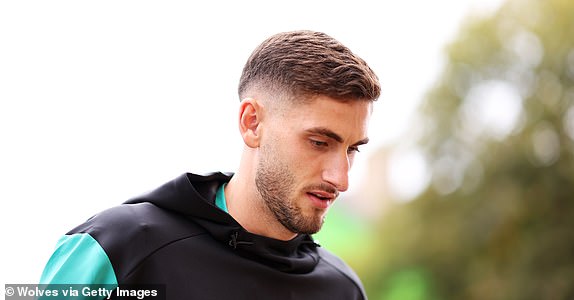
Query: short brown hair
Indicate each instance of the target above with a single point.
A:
(308, 63)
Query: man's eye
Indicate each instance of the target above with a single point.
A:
(353, 149)
(318, 144)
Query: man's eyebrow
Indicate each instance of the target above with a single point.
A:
(333, 135)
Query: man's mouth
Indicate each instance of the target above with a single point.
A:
(325, 196)
(321, 199)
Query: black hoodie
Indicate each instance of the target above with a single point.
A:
(177, 237)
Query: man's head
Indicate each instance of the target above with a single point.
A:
(306, 101)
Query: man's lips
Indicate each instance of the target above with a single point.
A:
(321, 199)
(323, 195)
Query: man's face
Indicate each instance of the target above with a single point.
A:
(305, 155)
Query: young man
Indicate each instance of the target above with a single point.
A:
(305, 105)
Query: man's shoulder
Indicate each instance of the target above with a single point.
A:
(336, 264)
(142, 223)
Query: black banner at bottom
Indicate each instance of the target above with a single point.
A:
(85, 291)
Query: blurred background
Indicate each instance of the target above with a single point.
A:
(484, 205)
(463, 193)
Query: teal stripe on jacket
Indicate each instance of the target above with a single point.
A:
(79, 259)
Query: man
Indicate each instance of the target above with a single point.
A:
(305, 104)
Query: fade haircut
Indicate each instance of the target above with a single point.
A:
(304, 64)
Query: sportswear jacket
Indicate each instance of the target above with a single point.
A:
(177, 237)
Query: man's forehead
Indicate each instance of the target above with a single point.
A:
(346, 119)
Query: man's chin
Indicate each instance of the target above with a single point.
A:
(309, 227)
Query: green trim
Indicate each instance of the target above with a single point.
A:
(220, 198)
(78, 259)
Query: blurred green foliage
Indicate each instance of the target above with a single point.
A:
(497, 220)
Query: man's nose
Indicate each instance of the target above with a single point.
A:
(336, 172)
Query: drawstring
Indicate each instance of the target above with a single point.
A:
(312, 243)
(234, 242)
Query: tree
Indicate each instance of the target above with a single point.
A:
(497, 220)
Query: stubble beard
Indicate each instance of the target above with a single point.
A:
(276, 183)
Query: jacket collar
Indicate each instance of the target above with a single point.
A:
(193, 196)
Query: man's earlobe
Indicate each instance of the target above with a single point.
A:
(250, 114)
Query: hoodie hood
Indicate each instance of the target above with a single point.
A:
(193, 196)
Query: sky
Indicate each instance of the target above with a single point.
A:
(102, 101)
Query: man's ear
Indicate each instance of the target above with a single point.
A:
(250, 117)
